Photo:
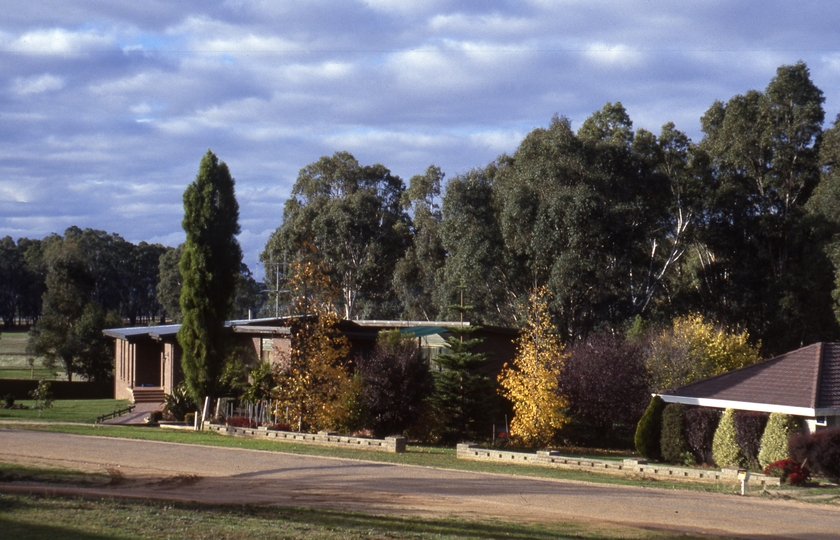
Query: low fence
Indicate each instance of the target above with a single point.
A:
(21, 388)
(323, 438)
(552, 458)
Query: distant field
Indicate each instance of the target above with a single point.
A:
(14, 362)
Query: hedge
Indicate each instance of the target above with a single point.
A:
(774, 442)
(821, 449)
(649, 428)
(672, 443)
(749, 426)
(700, 426)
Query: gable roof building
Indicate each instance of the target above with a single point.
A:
(804, 383)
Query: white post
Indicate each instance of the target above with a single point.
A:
(204, 412)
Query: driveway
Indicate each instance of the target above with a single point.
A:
(223, 475)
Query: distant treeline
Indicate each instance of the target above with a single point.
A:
(741, 227)
(140, 283)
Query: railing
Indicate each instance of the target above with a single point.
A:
(115, 414)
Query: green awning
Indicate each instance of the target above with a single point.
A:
(422, 331)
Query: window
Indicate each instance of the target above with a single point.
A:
(266, 346)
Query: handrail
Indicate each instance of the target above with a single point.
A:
(114, 414)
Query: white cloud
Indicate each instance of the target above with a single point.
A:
(613, 55)
(37, 85)
(58, 41)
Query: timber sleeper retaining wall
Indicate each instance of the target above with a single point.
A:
(322, 438)
(552, 458)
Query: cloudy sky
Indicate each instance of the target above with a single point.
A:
(107, 106)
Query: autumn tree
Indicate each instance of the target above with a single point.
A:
(209, 268)
(530, 383)
(312, 380)
(693, 348)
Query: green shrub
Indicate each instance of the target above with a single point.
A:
(725, 449)
(178, 403)
(189, 419)
(649, 429)
(673, 444)
(9, 400)
(774, 442)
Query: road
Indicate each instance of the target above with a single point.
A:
(224, 475)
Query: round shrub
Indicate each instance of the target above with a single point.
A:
(774, 442)
(673, 444)
(725, 449)
(649, 428)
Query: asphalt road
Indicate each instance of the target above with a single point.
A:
(224, 475)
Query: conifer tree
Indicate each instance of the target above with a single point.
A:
(209, 268)
(465, 396)
(531, 381)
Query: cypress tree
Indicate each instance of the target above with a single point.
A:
(209, 267)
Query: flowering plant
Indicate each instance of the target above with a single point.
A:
(240, 421)
(788, 470)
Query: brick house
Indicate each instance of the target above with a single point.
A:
(147, 360)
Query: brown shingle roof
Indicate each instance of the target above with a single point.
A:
(808, 377)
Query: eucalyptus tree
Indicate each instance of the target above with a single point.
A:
(764, 150)
(418, 273)
(351, 215)
(209, 267)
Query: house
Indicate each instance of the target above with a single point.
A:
(147, 360)
(803, 383)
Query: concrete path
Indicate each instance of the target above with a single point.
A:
(141, 412)
(225, 475)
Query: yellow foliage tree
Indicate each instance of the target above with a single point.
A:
(312, 381)
(693, 348)
(531, 382)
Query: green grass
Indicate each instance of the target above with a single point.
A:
(65, 410)
(14, 362)
(46, 518)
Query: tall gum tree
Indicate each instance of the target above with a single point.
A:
(352, 215)
(209, 268)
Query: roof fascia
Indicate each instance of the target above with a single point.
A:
(741, 405)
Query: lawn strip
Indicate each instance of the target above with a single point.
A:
(46, 518)
(64, 410)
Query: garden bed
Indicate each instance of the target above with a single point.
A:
(637, 467)
(323, 438)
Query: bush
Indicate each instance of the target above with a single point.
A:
(700, 426)
(649, 430)
(725, 449)
(774, 442)
(189, 419)
(673, 444)
(155, 417)
(820, 449)
(606, 383)
(9, 400)
(789, 471)
(749, 427)
(279, 427)
(178, 403)
(241, 422)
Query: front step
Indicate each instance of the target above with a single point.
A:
(148, 394)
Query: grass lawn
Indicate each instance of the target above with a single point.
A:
(14, 362)
(64, 410)
(47, 518)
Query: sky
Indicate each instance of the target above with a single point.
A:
(107, 106)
